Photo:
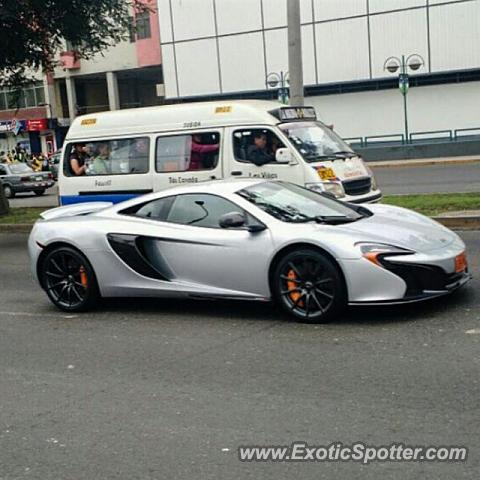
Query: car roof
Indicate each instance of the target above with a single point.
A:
(176, 117)
(219, 187)
(227, 186)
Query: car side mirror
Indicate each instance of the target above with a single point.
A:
(232, 220)
(283, 156)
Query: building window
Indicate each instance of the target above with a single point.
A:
(143, 25)
(30, 97)
(39, 94)
(27, 98)
(131, 29)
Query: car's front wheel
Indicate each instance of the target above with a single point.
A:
(69, 280)
(309, 286)
(8, 191)
(39, 192)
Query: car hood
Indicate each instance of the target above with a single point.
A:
(401, 227)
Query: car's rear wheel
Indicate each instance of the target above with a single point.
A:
(69, 280)
(39, 192)
(8, 191)
(309, 286)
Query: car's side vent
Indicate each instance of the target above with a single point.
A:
(129, 249)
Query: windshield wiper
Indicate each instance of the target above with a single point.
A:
(328, 219)
(345, 153)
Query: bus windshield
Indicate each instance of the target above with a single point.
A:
(315, 141)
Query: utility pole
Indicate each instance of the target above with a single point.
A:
(295, 64)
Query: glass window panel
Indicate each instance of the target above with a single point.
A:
(181, 153)
(109, 157)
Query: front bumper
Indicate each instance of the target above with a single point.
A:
(372, 197)
(423, 282)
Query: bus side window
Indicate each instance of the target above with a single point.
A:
(192, 152)
(108, 157)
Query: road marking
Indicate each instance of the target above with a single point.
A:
(473, 331)
(30, 314)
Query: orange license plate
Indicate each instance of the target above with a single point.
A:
(326, 173)
(460, 263)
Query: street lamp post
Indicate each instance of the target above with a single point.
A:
(404, 64)
(281, 82)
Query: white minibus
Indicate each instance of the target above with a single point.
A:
(113, 156)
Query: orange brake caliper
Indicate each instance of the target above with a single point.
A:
(291, 286)
(83, 277)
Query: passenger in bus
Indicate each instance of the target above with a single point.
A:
(139, 156)
(78, 159)
(258, 153)
(200, 151)
(102, 163)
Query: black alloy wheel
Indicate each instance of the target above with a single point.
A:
(40, 192)
(69, 280)
(309, 286)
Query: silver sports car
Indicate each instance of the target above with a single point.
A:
(245, 239)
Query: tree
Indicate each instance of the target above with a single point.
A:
(34, 31)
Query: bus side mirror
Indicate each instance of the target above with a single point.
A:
(284, 156)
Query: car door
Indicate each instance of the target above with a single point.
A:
(242, 141)
(194, 249)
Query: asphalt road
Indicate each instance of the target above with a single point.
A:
(429, 179)
(145, 389)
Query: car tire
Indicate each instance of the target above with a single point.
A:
(69, 280)
(39, 192)
(8, 191)
(309, 286)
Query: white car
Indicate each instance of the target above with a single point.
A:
(245, 239)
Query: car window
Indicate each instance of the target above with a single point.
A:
(200, 210)
(3, 171)
(256, 145)
(182, 153)
(19, 168)
(156, 209)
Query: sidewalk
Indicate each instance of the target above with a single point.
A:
(424, 162)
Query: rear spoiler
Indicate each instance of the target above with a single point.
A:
(75, 210)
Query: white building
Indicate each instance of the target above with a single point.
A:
(213, 48)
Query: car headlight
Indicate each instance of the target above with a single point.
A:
(372, 176)
(375, 252)
(335, 188)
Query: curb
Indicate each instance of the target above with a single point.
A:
(422, 163)
(460, 223)
(455, 223)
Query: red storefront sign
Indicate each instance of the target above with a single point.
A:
(37, 125)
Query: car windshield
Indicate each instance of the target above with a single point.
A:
(19, 168)
(290, 203)
(315, 141)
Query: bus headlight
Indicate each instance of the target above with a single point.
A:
(372, 176)
(335, 188)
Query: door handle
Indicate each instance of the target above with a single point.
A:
(236, 173)
(213, 177)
